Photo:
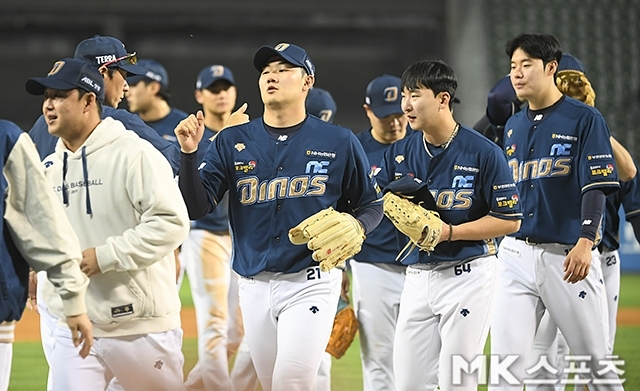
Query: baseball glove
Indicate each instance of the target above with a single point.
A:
(333, 237)
(422, 226)
(576, 85)
(345, 326)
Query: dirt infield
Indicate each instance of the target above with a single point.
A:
(28, 329)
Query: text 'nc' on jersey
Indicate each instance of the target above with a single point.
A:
(468, 180)
(554, 160)
(275, 183)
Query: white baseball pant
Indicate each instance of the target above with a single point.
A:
(377, 288)
(288, 320)
(444, 314)
(530, 280)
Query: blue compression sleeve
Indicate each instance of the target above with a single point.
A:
(370, 217)
(592, 207)
(193, 191)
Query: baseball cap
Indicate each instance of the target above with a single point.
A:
(100, 50)
(212, 74)
(289, 52)
(384, 96)
(67, 74)
(321, 104)
(155, 72)
(500, 102)
(569, 61)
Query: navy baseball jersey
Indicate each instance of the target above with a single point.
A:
(165, 126)
(468, 180)
(383, 243)
(629, 197)
(46, 143)
(554, 159)
(218, 219)
(14, 270)
(275, 183)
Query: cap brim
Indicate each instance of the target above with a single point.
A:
(133, 69)
(37, 85)
(266, 52)
(384, 111)
(135, 79)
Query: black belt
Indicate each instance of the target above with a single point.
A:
(533, 241)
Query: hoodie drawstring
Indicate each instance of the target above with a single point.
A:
(85, 172)
(65, 195)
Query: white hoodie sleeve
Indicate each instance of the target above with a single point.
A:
(164, 221)
(39, 226)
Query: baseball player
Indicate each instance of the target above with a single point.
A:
(124, 205)
(319, 103)
(109, 56)
(549, 341)
(558, 151)
(38, 234)
(445, 304)
(281, 169)
(148, 96)
(377, 278)
(207, 252)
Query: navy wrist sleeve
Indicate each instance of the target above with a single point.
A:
(192, 188)
(592, 207)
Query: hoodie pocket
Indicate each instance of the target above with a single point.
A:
(116, 298)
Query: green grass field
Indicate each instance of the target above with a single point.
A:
(29, 370)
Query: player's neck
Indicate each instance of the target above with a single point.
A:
(386, 137)
(440, 133)
(157, 112)
(74, 139)
(545, 98)
(285, 116)
(215, 121)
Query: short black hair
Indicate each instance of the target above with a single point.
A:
(435, 75)
(543, 46)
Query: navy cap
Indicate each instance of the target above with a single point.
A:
(100, 50)
(321, 104)
(68, 74)
(384, 96)
(155, 72)
(212, 74)
(500, 102)
(569, 61)
(289, 52)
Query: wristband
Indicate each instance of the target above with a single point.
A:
(450, 232)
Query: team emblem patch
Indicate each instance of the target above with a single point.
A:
(123, 310)
(239, 147)
(245, 166)
(399, 159)
(511, 149)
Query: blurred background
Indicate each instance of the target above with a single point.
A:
(350, 41)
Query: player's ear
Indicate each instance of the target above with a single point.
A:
(552, 67)
(308, 82)
(155, 87)
(198, 96)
